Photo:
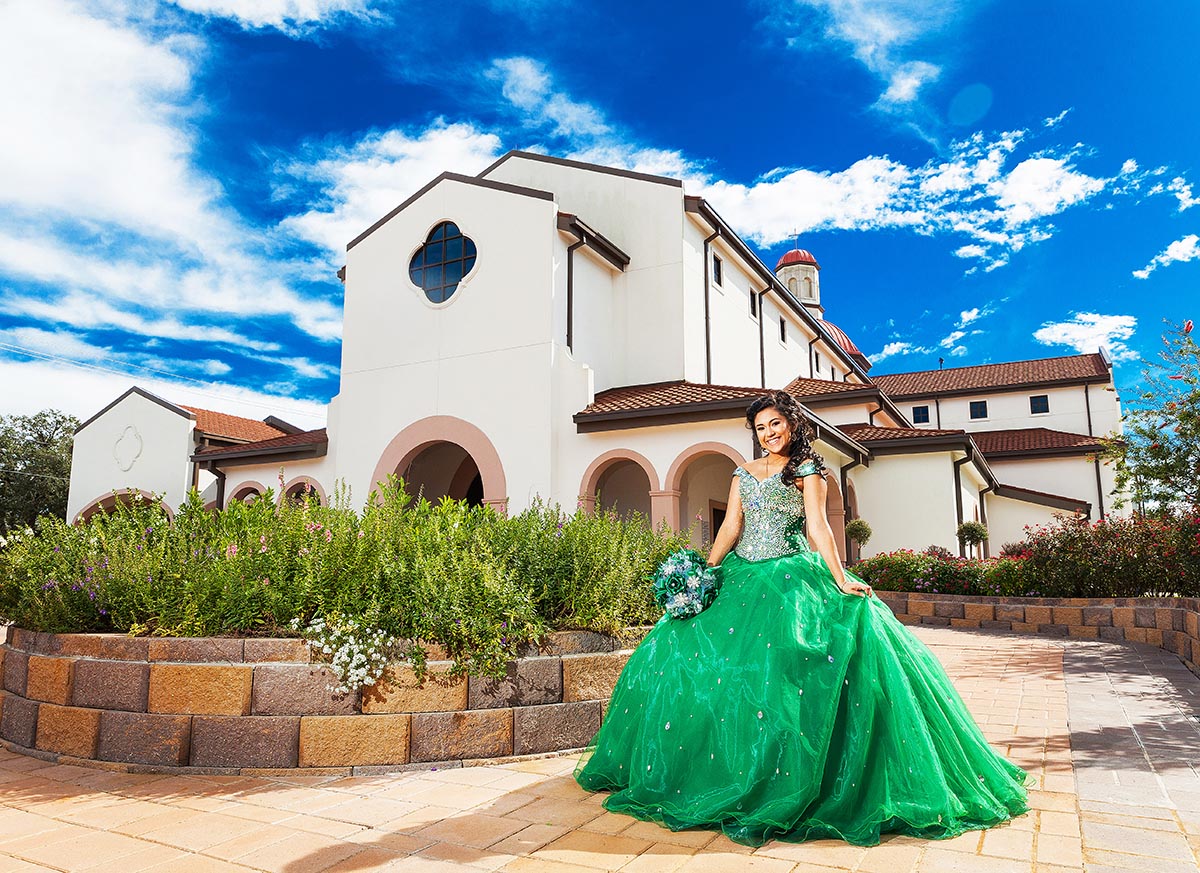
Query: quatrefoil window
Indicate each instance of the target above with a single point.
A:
(442, 262)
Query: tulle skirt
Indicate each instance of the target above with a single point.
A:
(790, 711)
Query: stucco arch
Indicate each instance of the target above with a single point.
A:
(675, 474)
(108, 502)
(305, 480)
(237, 492)
(835, 511)
(590, 483)
(419, 435)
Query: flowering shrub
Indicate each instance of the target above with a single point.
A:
(1116, 557)
(475, 582)
(358, 655)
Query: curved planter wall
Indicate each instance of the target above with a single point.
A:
(1170, 623)
(254, 705)
(231, 706)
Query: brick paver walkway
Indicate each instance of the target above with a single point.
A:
(1109, 731)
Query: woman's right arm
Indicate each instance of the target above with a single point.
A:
(731, 527)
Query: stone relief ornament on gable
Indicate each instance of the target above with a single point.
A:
(128, 448)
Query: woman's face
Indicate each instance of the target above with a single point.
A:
(773, 431)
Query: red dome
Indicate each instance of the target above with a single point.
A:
(797, 256)
(839, 336)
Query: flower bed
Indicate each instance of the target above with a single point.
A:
(475, 583)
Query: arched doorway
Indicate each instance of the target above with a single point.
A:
(853, 550)
(459, 454)
(443, 469)
(835, 511)
(624, 480)
(109, 502)
(301, 486)
(247, 492)
(701, 476)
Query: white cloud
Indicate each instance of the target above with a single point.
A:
(1130, 166)
(958, 351)
(952, 338)
(1038, 187)
(1182, 190)
(105, 162)
(967, 316)
(526, 84)
(1055, 120)
(974, 250)
(907, 80)
(1089, 331)
(31, 386)
(290, 16)
(897, 348)
(356, 185)
(882, 33)
(1186, 249)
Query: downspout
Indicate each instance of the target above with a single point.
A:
(958, 506)
(937, 405)
(1087, 404)
(871, 415)
(220, 474)
(987, 544)
(571, 292)
(811, 370)
(762, 348)
(1099, 487)
(707, 317)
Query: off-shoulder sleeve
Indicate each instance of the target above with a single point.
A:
(808, 468)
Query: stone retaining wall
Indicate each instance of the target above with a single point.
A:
(259, 705)
(1171, 623)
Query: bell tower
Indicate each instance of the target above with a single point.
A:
(799, 272)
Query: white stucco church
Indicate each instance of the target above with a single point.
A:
(592, 335)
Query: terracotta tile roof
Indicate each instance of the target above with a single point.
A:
(232, 427)
(1069, 369)
(1033, 439)
(283, 443)
(659, 395)
(865, 433)
(801, 388)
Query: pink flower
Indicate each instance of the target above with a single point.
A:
(231, 552)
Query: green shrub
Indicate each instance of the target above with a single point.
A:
(971, 533)
(859, 531)
(469, 579)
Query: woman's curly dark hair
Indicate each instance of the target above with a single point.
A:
(800, 449)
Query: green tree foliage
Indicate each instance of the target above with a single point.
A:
(35, 466)
(858, 530)
(1158, 457)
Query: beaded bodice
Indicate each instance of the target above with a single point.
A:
(772, 516)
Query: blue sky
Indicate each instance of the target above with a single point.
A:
(981, 181)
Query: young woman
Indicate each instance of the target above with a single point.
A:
(796, 707)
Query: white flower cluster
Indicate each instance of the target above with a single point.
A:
(357, 654)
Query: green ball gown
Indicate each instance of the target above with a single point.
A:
(788, 710)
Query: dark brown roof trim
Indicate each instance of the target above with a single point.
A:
(1043, 499)
(583, 165)
(451, 177)
(1012, 388)
(142, 392)
(867, 392)
(259, 454)
(700, 206)
(910, 445)
(279, 424)
(594, 240)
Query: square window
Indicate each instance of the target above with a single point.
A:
(782, 330)
(753, 303)
(716, 270)
(920, 415)
(978, 409)
(817, 359)
(1039, 404)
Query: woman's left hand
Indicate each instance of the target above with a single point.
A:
(861, 589)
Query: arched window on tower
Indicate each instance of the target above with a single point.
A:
(808, 288)
(792, 284)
